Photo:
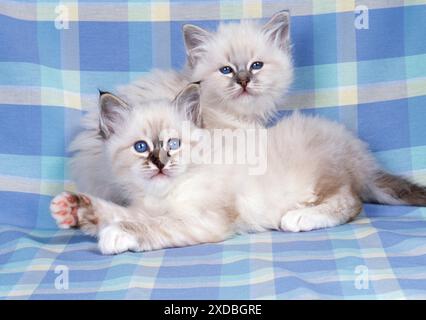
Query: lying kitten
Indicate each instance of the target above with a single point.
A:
(244, 71)
(172, 202)
(317, 176)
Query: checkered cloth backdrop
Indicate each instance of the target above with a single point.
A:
(371, 79)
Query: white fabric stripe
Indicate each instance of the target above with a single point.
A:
(36, 186)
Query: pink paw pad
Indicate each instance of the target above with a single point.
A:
(64, 209)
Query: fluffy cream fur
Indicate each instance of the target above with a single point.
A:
(187, 204)
(224, 102)
(316, 176)
(237, 44)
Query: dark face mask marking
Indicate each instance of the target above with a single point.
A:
(154, 157)
(159, 157)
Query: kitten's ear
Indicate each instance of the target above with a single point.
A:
(112, 113)
(194, 38)
(277, 29)
(188, 102)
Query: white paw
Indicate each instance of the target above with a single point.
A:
(64, 210)
(113, 240)
(305, 219)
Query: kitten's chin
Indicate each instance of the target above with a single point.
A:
(160, 179)
(245, 96)
(158, 184)
(251, 106)
(245, 99)
(159, 175)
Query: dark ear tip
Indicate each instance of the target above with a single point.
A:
(101, 93)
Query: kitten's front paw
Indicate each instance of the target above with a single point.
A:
(113, 240)
(64, 210)
(299, 220)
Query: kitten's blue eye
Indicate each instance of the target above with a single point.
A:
(256, 65)
(141, 146)
(173, 144)
(226, 70)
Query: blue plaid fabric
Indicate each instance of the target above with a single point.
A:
(366, 72)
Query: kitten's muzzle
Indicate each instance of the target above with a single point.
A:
(159, 158)
(242, 78)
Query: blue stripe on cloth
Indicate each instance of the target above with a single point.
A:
(374, 43)
(37, 130)
(14, 210)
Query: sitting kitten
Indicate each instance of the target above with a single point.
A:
(244, 70)
(317, 175)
